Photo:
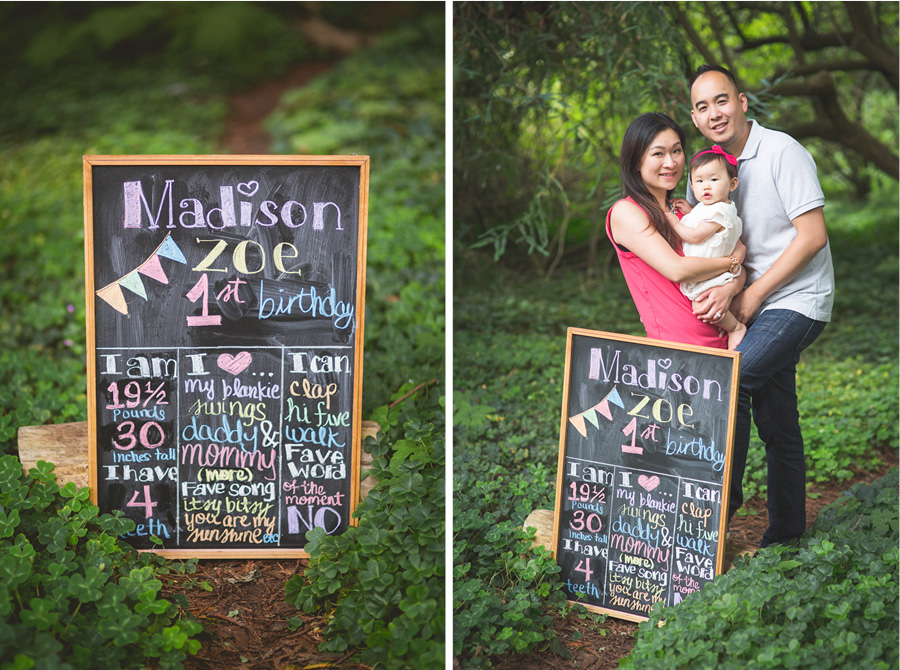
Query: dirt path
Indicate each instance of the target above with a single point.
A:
(247, 110)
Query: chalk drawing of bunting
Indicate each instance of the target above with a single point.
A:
(602, 407)
(112, 293)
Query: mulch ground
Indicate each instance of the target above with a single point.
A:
(241, 604)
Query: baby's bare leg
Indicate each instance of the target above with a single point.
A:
(735, 329)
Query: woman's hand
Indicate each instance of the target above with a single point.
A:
(711, 306)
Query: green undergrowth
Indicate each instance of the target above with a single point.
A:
(381, 583)
(71, 595)
(829, 600)
(112, 86)
(509, 357)
(387, 102)
(150, 105)
(42, 367)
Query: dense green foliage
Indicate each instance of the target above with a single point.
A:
(388, 102)
(141, 78)
(543, 93)
(827, 601)
(501, 588)
(382, 581)
(71, 596)
(509, 348)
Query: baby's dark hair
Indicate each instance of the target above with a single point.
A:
(708, 155)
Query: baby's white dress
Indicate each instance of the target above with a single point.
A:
(715, 246)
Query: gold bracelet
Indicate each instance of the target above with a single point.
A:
(734, 266)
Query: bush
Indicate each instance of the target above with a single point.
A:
(71, 595)
(829, 600)
(382, 582)
(504, 591)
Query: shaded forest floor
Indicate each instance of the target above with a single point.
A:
(600, 646)
(242, 607)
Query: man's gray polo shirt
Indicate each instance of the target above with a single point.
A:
(777, 182)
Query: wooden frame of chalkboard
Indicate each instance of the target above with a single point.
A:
(646, 437)
(225, 315)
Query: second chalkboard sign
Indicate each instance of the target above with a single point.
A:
(225, 303)
(644, 470)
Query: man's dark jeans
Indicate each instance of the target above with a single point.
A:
(769, 355)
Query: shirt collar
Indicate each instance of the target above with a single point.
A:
(753, 140)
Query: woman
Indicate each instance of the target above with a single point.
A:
(649, 251)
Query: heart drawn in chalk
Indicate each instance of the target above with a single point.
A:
(248, 188)
(648, 483)
(664, 363)
(234, 364)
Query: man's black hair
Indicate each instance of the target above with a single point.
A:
(703, 69)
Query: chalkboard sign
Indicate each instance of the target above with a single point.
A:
(225, 304)
(644, 470)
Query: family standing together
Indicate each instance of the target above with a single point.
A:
(742, 262)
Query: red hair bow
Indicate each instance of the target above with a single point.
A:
(718, 150)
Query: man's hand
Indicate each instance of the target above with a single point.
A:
(746, 304)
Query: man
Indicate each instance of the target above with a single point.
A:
(789, 293)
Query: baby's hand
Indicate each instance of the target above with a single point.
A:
(672, 219)
(682, 205)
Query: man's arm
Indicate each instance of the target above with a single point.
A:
(811, 239)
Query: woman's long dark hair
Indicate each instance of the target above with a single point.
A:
(637, 140)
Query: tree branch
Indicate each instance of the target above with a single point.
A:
(867, 40)
(833, 124)
(848, 65)
(808, 42)
(699, 43)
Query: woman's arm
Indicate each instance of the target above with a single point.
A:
(632, 229)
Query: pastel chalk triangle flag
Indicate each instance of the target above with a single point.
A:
(168, 249)
(603, 408)
(613, 397)
(153, 269)
(114, 297)
(134, 284)
(591, 416)
(578, 422)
